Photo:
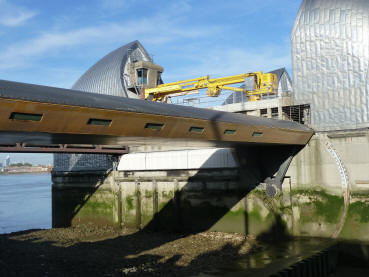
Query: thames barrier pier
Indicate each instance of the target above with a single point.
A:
(271, 158)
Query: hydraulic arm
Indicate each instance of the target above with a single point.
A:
(255, 84)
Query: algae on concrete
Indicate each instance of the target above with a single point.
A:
(360, 209)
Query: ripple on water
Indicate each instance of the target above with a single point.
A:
(25, 202)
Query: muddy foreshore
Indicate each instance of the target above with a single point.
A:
(90, 251)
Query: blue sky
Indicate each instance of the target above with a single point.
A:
(54, 42)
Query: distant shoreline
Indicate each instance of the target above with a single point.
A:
(25, 169)
(30, 172)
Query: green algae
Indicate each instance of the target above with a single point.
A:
(322, 205)
(255, 214)
(360, 209)
(97, 207)
(129, 203)
(148, 193)
(162, 204)
(167, 194)
(314, 207)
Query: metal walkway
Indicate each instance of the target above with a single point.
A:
(37, 118)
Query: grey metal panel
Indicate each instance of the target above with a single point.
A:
(330, 56)
(82, 162)
(106, 76)
(279, 72)
(284, 80)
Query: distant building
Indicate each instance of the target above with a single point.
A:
(7, 162)
(330, 61)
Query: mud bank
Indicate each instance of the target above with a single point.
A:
(90, 251)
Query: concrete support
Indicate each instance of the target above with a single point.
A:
(80, 197)
(269, 113)
(330, 179)
(280, 113)
(178, 200)
(314, 202)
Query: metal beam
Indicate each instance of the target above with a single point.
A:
(64, 148)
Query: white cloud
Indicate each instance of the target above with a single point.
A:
(223, 62)
(156, 30)
(194, 47)
(12, 15)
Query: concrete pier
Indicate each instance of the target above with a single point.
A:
(325, 194)
(191, 200)
(330, 181)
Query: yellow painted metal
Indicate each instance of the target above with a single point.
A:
(264, 83)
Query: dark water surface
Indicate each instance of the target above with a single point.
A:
(25, 202)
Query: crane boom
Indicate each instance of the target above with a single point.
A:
(255, 85)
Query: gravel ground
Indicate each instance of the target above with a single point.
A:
(90, 251)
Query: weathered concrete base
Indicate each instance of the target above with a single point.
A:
(330, 179)
(178, 200)
(178, 203)
(325, 196)
(81, 197)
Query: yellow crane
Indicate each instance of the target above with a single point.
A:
(255, 85)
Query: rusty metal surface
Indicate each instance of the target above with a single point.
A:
(65, 114)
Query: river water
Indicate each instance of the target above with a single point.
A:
(25, 202)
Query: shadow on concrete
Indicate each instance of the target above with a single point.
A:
(192, 209)
(178, 219)
(276, 233)
(67, 202)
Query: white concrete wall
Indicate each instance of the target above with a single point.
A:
(181, 159)
(315, 166)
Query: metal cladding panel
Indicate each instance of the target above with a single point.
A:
(80, 162)
(330, 56)
(107, 75)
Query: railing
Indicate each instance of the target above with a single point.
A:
(286, 111)
(297, 113)
(202, 100)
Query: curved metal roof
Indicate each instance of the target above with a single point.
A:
(106, 76)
